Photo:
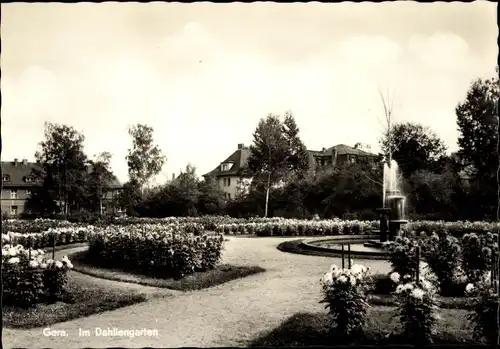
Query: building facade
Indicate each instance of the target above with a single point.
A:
(228, 174)
(229, 178)
(18, 184)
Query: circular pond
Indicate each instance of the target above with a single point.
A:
(361, 246)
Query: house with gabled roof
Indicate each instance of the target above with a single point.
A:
(229, 174)
(231, 179)
(18, 182)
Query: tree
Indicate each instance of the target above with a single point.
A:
(275, 153)
(145, 160)
(298, 162)
(477, 120)
(99, 178)
(62, 166)
(413, 146)
(211, 198)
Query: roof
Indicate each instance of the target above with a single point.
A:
(239, 160)
(341, 149)
(19, 172)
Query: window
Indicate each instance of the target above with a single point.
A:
(5, 178)
(227, 182)
(29, 179)
(28, 192)
(13, 210)
(13, 194)
(228, 196)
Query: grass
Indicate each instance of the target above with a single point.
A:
(311, 329)
(84, 298)
(197, 281)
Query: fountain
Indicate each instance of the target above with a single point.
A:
(392, 213)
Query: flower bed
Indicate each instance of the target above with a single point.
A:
(48, 238)
(33, 226)
(29, 278)
(166, 251)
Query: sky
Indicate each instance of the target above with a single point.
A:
(203, 74)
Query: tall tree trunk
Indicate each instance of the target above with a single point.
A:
(268, 187)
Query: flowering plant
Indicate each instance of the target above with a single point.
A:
(26, 275)
(483, 308)
(416, 305)
(442, 254)
(478, 252)
(403, 255)
(345, 296)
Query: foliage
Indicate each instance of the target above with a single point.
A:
(345, 295)
(61, 169)
(48, 238)
(166, 251)
(416, 305)
(145, 159)
(276, 152)
(477, 120)
(99, 178)
(478, 252)
(28, 277)
(484, 303)
(442, 254)
(403, 256)
(414, 147)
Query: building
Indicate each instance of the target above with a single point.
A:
(228, 174)
(18, 183)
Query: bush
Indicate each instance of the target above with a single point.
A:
(345, 295)
(478, 252)
(484, 304)
(416, 305)
(26, 276)
(163, 250)
(403, 256)
(442, 254)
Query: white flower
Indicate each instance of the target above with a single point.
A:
(395, 277)
(427, 285)
(418, 293)
(59, 264)
(328, 279)
(469, 288)
(34, 253)
(33, 264)
(333, 267)
(342, 278)
(352, 279)
(13, 260)
(358, 269)
(43, 265)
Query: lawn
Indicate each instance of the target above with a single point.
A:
(84, 297)
(311, 329)
(197, 281)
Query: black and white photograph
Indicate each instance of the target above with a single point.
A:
(249, 174)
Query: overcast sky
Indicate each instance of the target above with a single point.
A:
(203, 74)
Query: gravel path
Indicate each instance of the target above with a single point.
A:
(230, 314)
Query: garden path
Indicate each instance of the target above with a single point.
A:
(230, 314)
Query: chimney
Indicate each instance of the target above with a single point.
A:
(173, 176)
(324, 150)
(241, 146)
(15, 162)
(25, 161)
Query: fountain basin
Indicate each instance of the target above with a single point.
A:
(359, 249)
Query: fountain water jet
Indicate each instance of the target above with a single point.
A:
(392, 213)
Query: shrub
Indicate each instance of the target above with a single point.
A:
(478, 252)
(442, 254)
(483, 303)
(345, 296)
(403, 256)
(24, 274)
(164, 250)
(416, 305)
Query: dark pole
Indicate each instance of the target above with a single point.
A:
(349, 254)
(418, 263)
(343, 264)
(53, 245)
